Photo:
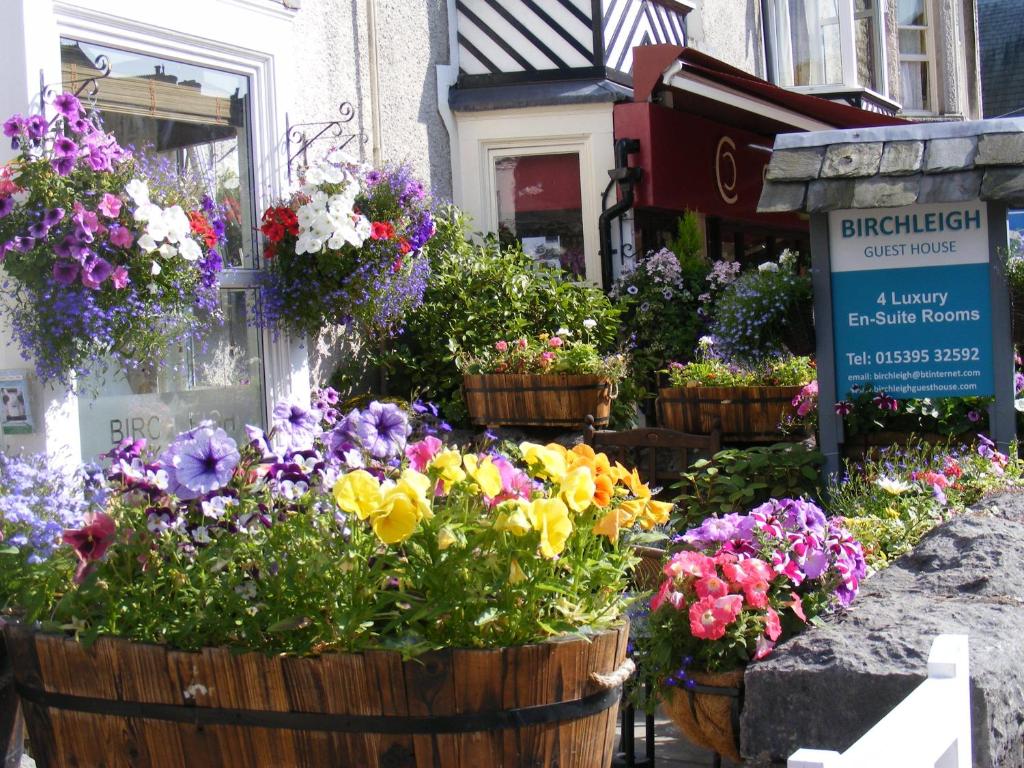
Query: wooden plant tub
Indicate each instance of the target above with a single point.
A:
(12, 727)
(119, 704)
(528, 400)
(745, 414)
(709, 714)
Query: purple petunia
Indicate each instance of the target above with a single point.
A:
(63, 165)
(295, 427)
(6, 206)
(36, 126)
(95, 271)
(383, 429)
(65, 272)
(65, 147)
(53, 216)
(67, 105)
(200, 461)
(13, 126)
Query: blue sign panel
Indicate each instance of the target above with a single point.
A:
(912, 311)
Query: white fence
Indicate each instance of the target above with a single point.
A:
(930, 728)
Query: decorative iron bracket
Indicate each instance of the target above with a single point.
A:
(90, 84)
(297, 140)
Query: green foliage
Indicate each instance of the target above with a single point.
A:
(778, 372)
(736, 480)
(477, 295)
(548, 354)
(872, 410)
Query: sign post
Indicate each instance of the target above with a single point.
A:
(917, 305)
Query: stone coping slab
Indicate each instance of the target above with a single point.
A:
(827, 687)
(910, 132)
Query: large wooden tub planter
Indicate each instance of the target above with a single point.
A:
(122, 704)
(453, 610)
(714, 613)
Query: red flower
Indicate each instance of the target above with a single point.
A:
(201, 227)
(91, 542)
(382, 230)
(279, 221)
(403, 246)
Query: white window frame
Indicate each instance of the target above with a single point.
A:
(928, 58)
(253, 39)
(847, 47)
(533, 147)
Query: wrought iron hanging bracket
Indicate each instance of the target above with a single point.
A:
(298, 138)
(87, 88)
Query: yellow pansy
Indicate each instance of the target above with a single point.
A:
(449, 466)
(544, 459)
(551, 518)
(515, 573)
(631, 509)
(485, 473)
(515, 517)
(358, 493)
(415, 486)
(656, 513)
(610, 523)
(446, 538)
(397, 518)
(578, 488)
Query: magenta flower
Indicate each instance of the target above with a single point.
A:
(6, 206)
(65, 147)
(121, 237)
(421, 453)
(63, 165)
(110, 205)
(67, 105)
(119, 277)
(95, 271)
(91, 542)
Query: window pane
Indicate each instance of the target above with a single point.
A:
(911, 13)
(806, 39)
(912, 41)
(867, 65)
(220, 380)
(540, 204)
(914, 76)
(863, 5)
(193, 117)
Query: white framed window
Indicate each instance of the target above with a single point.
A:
(221, 112)
(917, 56)
(825, 43)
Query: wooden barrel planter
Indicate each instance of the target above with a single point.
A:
(119, 704)
(744, 414)
(708, 713)
(12, 728)
(527, 400)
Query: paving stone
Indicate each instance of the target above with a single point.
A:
(1004, 184)
(886, 191)
(852, 160)
(950, 187)
(828, 686)
(782, 196)
(795, 164)
(999, 149)
(829, 195)
(900, 158)
(943, 155)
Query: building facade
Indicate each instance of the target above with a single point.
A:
(231, 85)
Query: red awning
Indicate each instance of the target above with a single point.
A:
(651, 62)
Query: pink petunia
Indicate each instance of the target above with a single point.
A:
(119, 277)
(711, 586)
(121, 237)
(798, 607)
(110, 206)
(690, 564)
(756, 593)
(707, 620)
(764, 646)
(421, 453)
(772, 625)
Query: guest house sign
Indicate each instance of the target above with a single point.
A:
(911, 303)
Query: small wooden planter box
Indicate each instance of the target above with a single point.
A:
(123, 705)
(525, 400)
(745, 414)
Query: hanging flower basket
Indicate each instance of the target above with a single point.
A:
(708, 714)
(124, 703)
(746, 413)
(537, 400)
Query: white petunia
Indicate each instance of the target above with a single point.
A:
(167, 250)
(155, 269)
(147, 211)
(177, 222)
(138, 190)
(893, 486)
(147, 243)
(189, 249)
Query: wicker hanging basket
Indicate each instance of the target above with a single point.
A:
(709, 713)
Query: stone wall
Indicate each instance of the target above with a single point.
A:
(729, 30)
(824, 689)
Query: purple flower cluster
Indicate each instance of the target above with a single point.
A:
(379, 432)
(796, 537)
(200, 461)
(37, 502)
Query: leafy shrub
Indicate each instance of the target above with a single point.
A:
(548, 354)
(780, 372)
(477, 295)
(736, 480)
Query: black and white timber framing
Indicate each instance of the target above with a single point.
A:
(528, 40)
